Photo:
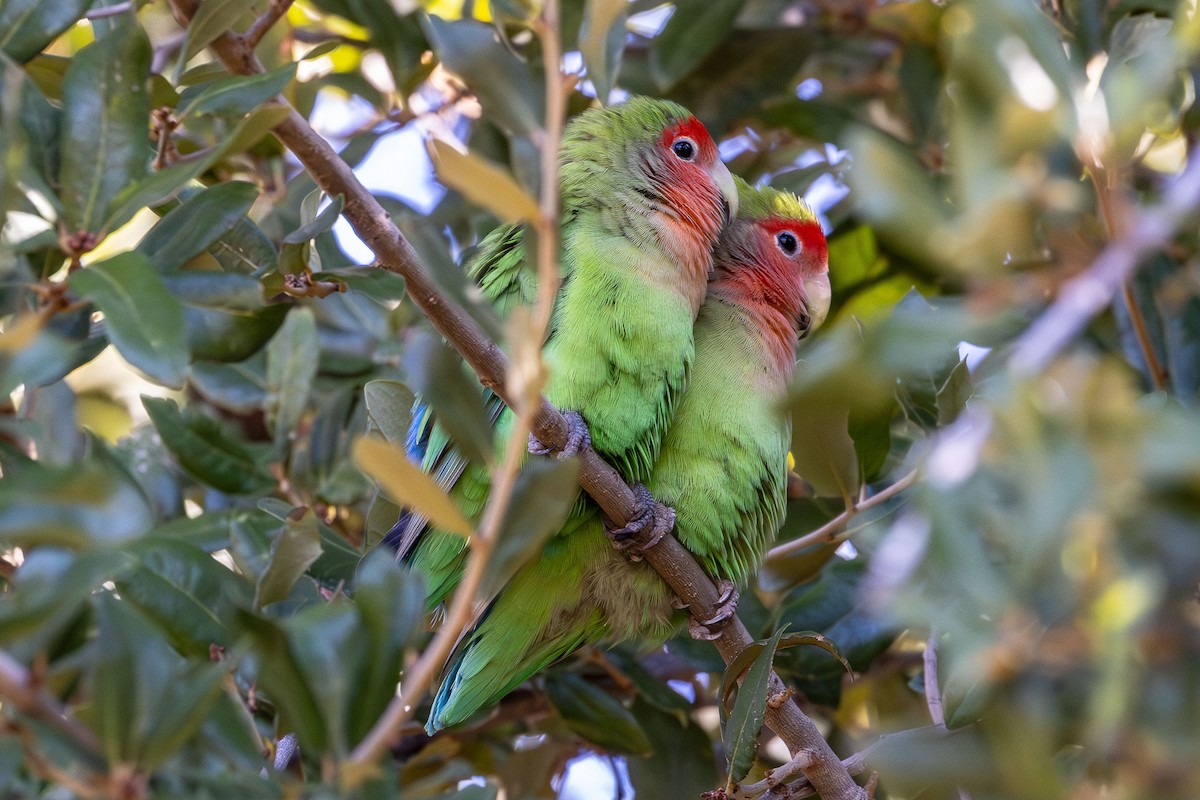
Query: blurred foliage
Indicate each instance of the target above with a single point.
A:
(187, 541)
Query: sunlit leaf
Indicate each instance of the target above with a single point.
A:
(408, 485)
(483, 183)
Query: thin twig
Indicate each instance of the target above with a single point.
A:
(258, 29)
(21, 689)
(90, 787)
(1089, 293)
(461, 612)
(375, 228)
(109, 11)
(827, 532)
(1104, 182)
(773, 778)
(801, 787)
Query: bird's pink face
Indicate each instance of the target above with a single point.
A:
(695, 186)
(789, 267)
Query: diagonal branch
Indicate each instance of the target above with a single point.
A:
(669, 558)
(828, 533)
(21, 689)
(258, 29)
(1089, 293)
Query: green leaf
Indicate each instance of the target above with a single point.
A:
(190, 228)
(106, 114)
(92, 503)
(205, 450)
(595, 714)
(280, 675)
(746, 719)
(293, 551)
(319, 223)
(602, 41)
(251, 130)
(27, 26)
(389, 409)
(244, 249)
(235, 387)
(694, 30)
(436, 374)
(832, 606)
(44, 357)
(892, 189)
(212, 18)
(681, 764)
(234, 95)
(483, 183)
(746, 658)
(31, 126)
(147, 699)
(45, 613)
(152, 190)
(502, 82)
(544, 493)
(391, 605)
(186, 591)
(143, 320)
(218, 335)
(204, 288)
(823, 450)
(409, 485)
(953, 394)
(292, 356)
(378, 284)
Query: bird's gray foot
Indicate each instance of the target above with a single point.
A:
(649, 515)
(578, 438)
(708, 629)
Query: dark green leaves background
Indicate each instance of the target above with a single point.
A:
(186, 535)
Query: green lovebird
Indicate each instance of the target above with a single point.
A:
(644, 197)
(722, 467)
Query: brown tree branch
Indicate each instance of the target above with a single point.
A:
(674, 563)
(258, 29)
(462, 610)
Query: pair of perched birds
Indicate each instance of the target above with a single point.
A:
(684, 292)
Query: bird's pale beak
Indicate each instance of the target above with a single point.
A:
(817, 295)
(723, 178)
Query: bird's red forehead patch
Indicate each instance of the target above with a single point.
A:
(812, 238)
(692, 128)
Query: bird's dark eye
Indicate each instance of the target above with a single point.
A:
(786, 241)
(685, 148)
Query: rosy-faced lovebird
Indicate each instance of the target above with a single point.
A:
(722, 467)
(644, 197)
